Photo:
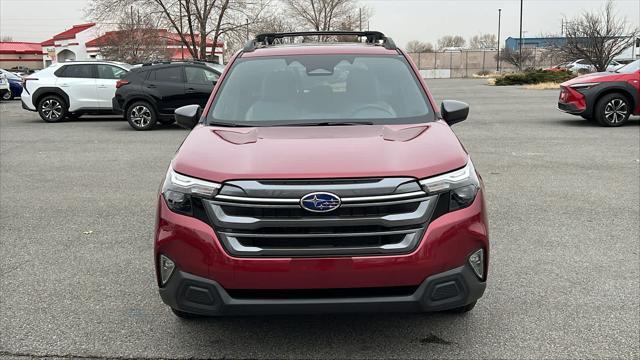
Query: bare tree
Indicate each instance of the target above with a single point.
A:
(484, 41)
(598, 37)
(416, 46)
(137, 40)
(448, 41)
(325, 15)
(513, 57)
(196, 22)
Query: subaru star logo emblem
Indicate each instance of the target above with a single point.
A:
(320, 202)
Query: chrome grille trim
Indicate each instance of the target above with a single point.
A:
(378, 198)
(297, 204)
(224, 221)
(408, 243)
(355, 234)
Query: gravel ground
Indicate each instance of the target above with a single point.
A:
(77, 212)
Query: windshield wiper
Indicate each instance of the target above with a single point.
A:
(335, 123)
(225, 124)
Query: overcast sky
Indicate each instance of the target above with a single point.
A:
(404, 20)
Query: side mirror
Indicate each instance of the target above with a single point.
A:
(453, 111)
(188, 116)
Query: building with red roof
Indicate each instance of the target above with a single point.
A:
(69, 45)
(81, 42)
(19, 54)
(170, 41)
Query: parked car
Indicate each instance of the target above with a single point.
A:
(583, 66)
(150, 93)
(72, 89)
(15, 85)
(302, 190)
(559, 67)
(5, 89)
(608, 98)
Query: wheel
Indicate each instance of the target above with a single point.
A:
(463, 309)
(185, 315)
(612, 110)
(141, 116)
(7, 95)
(52, 108)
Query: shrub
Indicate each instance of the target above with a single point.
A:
(534, 77)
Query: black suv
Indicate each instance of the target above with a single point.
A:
(150, 93)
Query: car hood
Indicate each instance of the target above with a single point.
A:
(594, 77)
(221, 154)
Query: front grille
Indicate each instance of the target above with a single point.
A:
(298, 212)
(386, 216)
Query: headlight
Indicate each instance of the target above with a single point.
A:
(460, 186)
(178, 190)
(583, 85)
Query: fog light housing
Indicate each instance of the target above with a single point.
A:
(476, 260)
(166, 269)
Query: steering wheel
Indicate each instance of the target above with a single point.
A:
(374, 107)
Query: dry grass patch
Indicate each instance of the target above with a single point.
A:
(543, 86)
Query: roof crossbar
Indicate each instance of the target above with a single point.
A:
(372, 37)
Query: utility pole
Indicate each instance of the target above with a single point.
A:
(360, 19)
(247, 29)
(181, 31)
(520, 42)
(498, 59)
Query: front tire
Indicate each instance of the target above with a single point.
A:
(612, 110)
(141, 116)
(7, 95)
(52, 108)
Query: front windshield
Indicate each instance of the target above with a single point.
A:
(310, 89)
(629, 68)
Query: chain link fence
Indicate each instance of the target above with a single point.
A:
(467, 63)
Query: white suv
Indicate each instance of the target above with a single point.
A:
(71, 89)
(4, 86)
(582, 66)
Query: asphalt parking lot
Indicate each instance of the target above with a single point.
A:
(77, 204)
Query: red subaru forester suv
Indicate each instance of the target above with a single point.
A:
(608, 97)
(321, 177)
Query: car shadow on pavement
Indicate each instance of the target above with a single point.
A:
(80, 120)
(579, 122)
(374, 335)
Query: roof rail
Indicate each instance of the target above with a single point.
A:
(373, 37)
(177, 61)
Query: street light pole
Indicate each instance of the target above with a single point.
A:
(520, 42)
(181, 30)
(498, 58)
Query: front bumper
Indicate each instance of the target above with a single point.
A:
(570, 108)
(116, 104)
(27, 102)
(446, 243)
(447, 290)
